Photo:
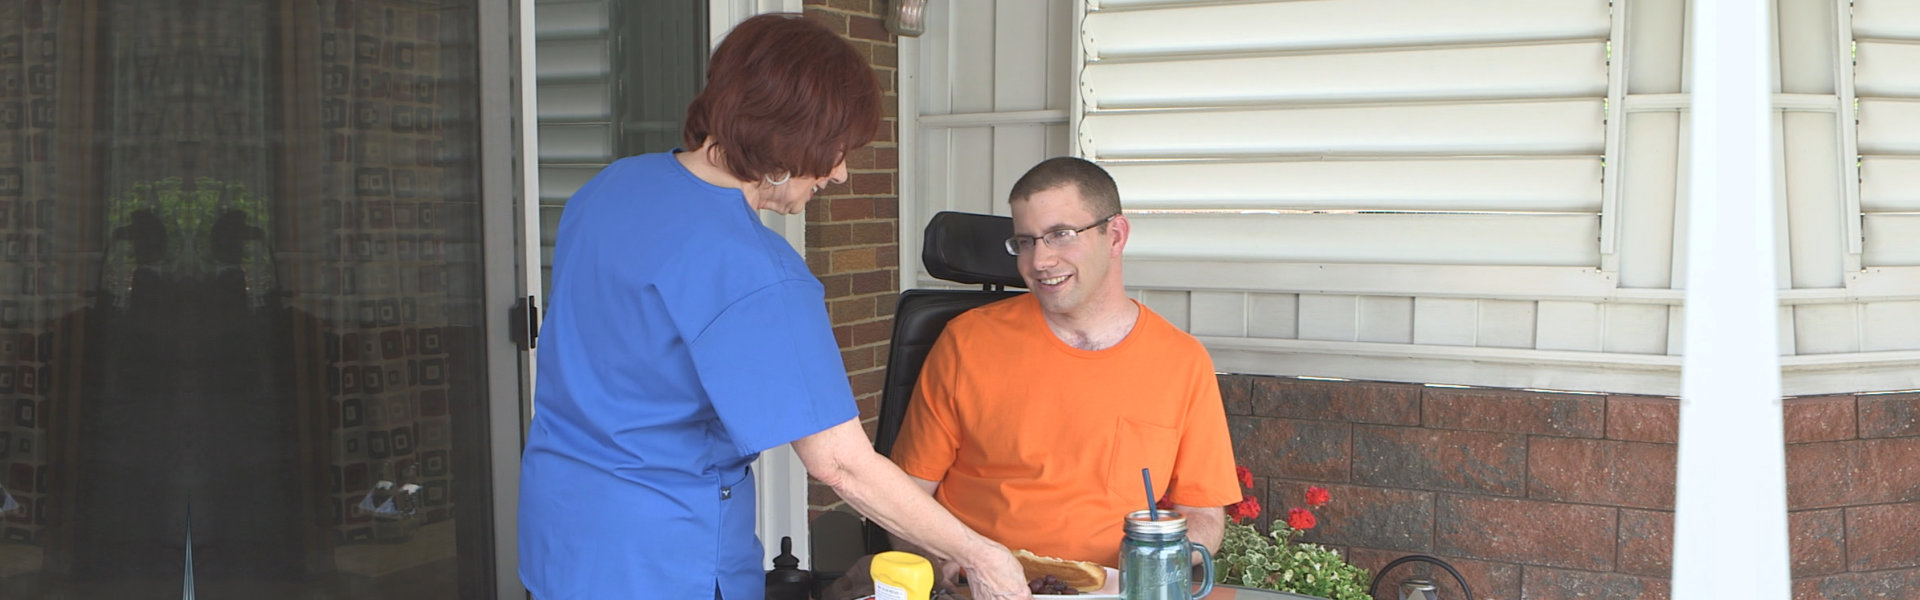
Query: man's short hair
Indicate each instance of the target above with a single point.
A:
(787, 95)
(1097, 190)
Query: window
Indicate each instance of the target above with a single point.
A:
(615, 78)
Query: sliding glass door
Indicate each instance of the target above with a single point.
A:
(249, 318)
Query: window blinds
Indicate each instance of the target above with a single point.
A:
(1352, 131)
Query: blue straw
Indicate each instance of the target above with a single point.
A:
(1153, 508)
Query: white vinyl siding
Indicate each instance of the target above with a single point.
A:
(1470, 73)
(1432, 101)
(1382, 189)
(1537, 127)
(1887, 38)
(1382, 238)
(1536, 184)
(1848, 119)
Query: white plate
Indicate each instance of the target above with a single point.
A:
(1110, 591)
(1062, 597)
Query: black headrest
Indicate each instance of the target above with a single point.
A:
(970, 248)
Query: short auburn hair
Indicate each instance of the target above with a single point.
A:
(1098, 192)
(784, 95)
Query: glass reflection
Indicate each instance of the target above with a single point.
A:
(239, 292)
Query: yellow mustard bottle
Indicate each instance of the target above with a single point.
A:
(901, 576)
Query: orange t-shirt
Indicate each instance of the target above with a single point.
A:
(1039, 445)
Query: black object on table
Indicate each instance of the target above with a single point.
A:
(787, 581)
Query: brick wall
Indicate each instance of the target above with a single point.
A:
(1545, 496)
(852, 241)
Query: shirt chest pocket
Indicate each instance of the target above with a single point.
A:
(1138, 445)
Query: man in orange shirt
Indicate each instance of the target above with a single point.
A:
(1034, 415)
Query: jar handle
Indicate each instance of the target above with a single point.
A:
(1206, 569)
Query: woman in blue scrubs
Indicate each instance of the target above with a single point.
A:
(683, 338)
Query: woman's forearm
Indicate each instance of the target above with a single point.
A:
(841, 458)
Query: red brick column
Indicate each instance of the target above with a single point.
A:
(851, 228)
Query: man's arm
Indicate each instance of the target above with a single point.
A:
(1205, 526)
(1205, 459)
(843, 458)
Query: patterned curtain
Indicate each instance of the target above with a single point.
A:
(398, 286)
(34, 292)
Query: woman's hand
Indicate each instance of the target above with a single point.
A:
(994, 574)
(842, 458)
(946, 572)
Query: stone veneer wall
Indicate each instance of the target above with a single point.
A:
(1853, 496)
(1548, 495)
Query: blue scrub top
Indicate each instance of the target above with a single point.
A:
(682, 338)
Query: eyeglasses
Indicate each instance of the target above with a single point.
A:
(1056, 239)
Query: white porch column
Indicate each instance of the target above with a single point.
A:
(1730, 523)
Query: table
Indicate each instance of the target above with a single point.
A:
(1234, 592)
(1220, 592)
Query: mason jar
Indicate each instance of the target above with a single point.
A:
(1156, 559)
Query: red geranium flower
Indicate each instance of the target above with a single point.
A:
(1317, 496)
(1299, 518)
(1245, 474)
(1247, 508)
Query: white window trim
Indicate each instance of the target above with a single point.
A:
(1850, 148)
(511, 410)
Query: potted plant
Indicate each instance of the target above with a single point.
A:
(1276, 560)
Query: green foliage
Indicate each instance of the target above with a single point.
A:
(1276, 562)
(187, 209)
(187, 213)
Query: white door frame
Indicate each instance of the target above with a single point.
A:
(509, 195)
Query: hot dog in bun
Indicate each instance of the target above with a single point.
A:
(1080, 575)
